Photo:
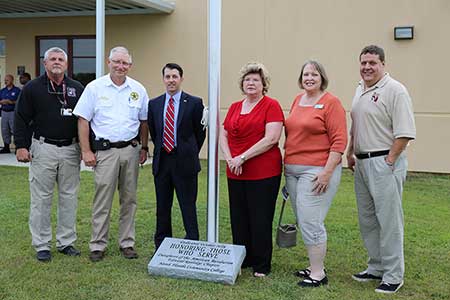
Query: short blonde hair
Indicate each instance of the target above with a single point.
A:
(255, 68)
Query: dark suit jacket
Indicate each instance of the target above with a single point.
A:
(190, 133)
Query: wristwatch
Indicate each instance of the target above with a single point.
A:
(243, 158)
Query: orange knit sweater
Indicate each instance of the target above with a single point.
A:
(313, 131)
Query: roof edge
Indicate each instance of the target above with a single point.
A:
(161, 5)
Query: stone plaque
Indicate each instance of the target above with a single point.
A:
(197, 260)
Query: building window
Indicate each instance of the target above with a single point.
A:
(80, 51)
(2, 47)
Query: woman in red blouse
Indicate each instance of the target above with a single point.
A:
(249, 142)
(316, 137)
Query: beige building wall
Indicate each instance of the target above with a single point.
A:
(282, 34)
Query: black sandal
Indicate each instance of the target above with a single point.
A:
(303, 273)
(309, 282)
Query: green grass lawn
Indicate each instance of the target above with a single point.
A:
(427, 249)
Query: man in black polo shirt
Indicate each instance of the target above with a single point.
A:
(45, 108)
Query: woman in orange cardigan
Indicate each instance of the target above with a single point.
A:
(316, 137)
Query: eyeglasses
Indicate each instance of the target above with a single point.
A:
(52, 90)
(57, 92)
(120, 62)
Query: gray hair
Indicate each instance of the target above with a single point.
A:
(255, 68)
(54, 50)
(120, 49)
(320, 69)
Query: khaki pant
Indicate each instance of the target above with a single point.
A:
(50, 165)
(378, 189)
(7, 126)
(310, 208)
(116, 168)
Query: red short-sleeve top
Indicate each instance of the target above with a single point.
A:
(245, 130)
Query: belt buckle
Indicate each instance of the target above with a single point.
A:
(369, 154)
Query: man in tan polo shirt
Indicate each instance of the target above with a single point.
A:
(382, 125)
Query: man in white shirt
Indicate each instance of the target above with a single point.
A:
(382, 125)
(114, 107)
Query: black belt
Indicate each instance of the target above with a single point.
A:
(372, 154)
(123, 144)
(58, 143)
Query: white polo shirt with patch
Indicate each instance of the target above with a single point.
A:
(381, 114)
(114, 112)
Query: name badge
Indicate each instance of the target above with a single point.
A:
(318, 106)
(66, 112)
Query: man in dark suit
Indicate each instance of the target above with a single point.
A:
(174, 124)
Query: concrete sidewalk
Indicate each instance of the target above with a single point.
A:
(10, 160)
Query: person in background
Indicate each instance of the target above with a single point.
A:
(8, 97)
(316, 138)
(24, 78)
(249, 142)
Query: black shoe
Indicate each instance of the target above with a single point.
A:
(70, 251)
(309, 282)
(44, 255)
(5, 150)
(129, 252)
(388, 288)
(364, 276)
(96, 255)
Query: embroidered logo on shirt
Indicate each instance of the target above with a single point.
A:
(375, 97)
(134, 96)
(71, 92)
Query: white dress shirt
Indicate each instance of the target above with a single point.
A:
(114, 112)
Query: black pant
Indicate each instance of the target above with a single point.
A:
(252, 206)
(166, 181)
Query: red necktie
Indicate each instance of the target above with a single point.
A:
(169, 135)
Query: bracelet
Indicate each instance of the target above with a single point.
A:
(144, 148)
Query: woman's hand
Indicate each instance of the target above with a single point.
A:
(235, 165)
(321, 182)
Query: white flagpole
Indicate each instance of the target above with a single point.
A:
(214, 56)
(99, 38)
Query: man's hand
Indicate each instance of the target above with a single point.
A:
(142, 156)
(351, 162)
(89, 158)
(23, 155)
